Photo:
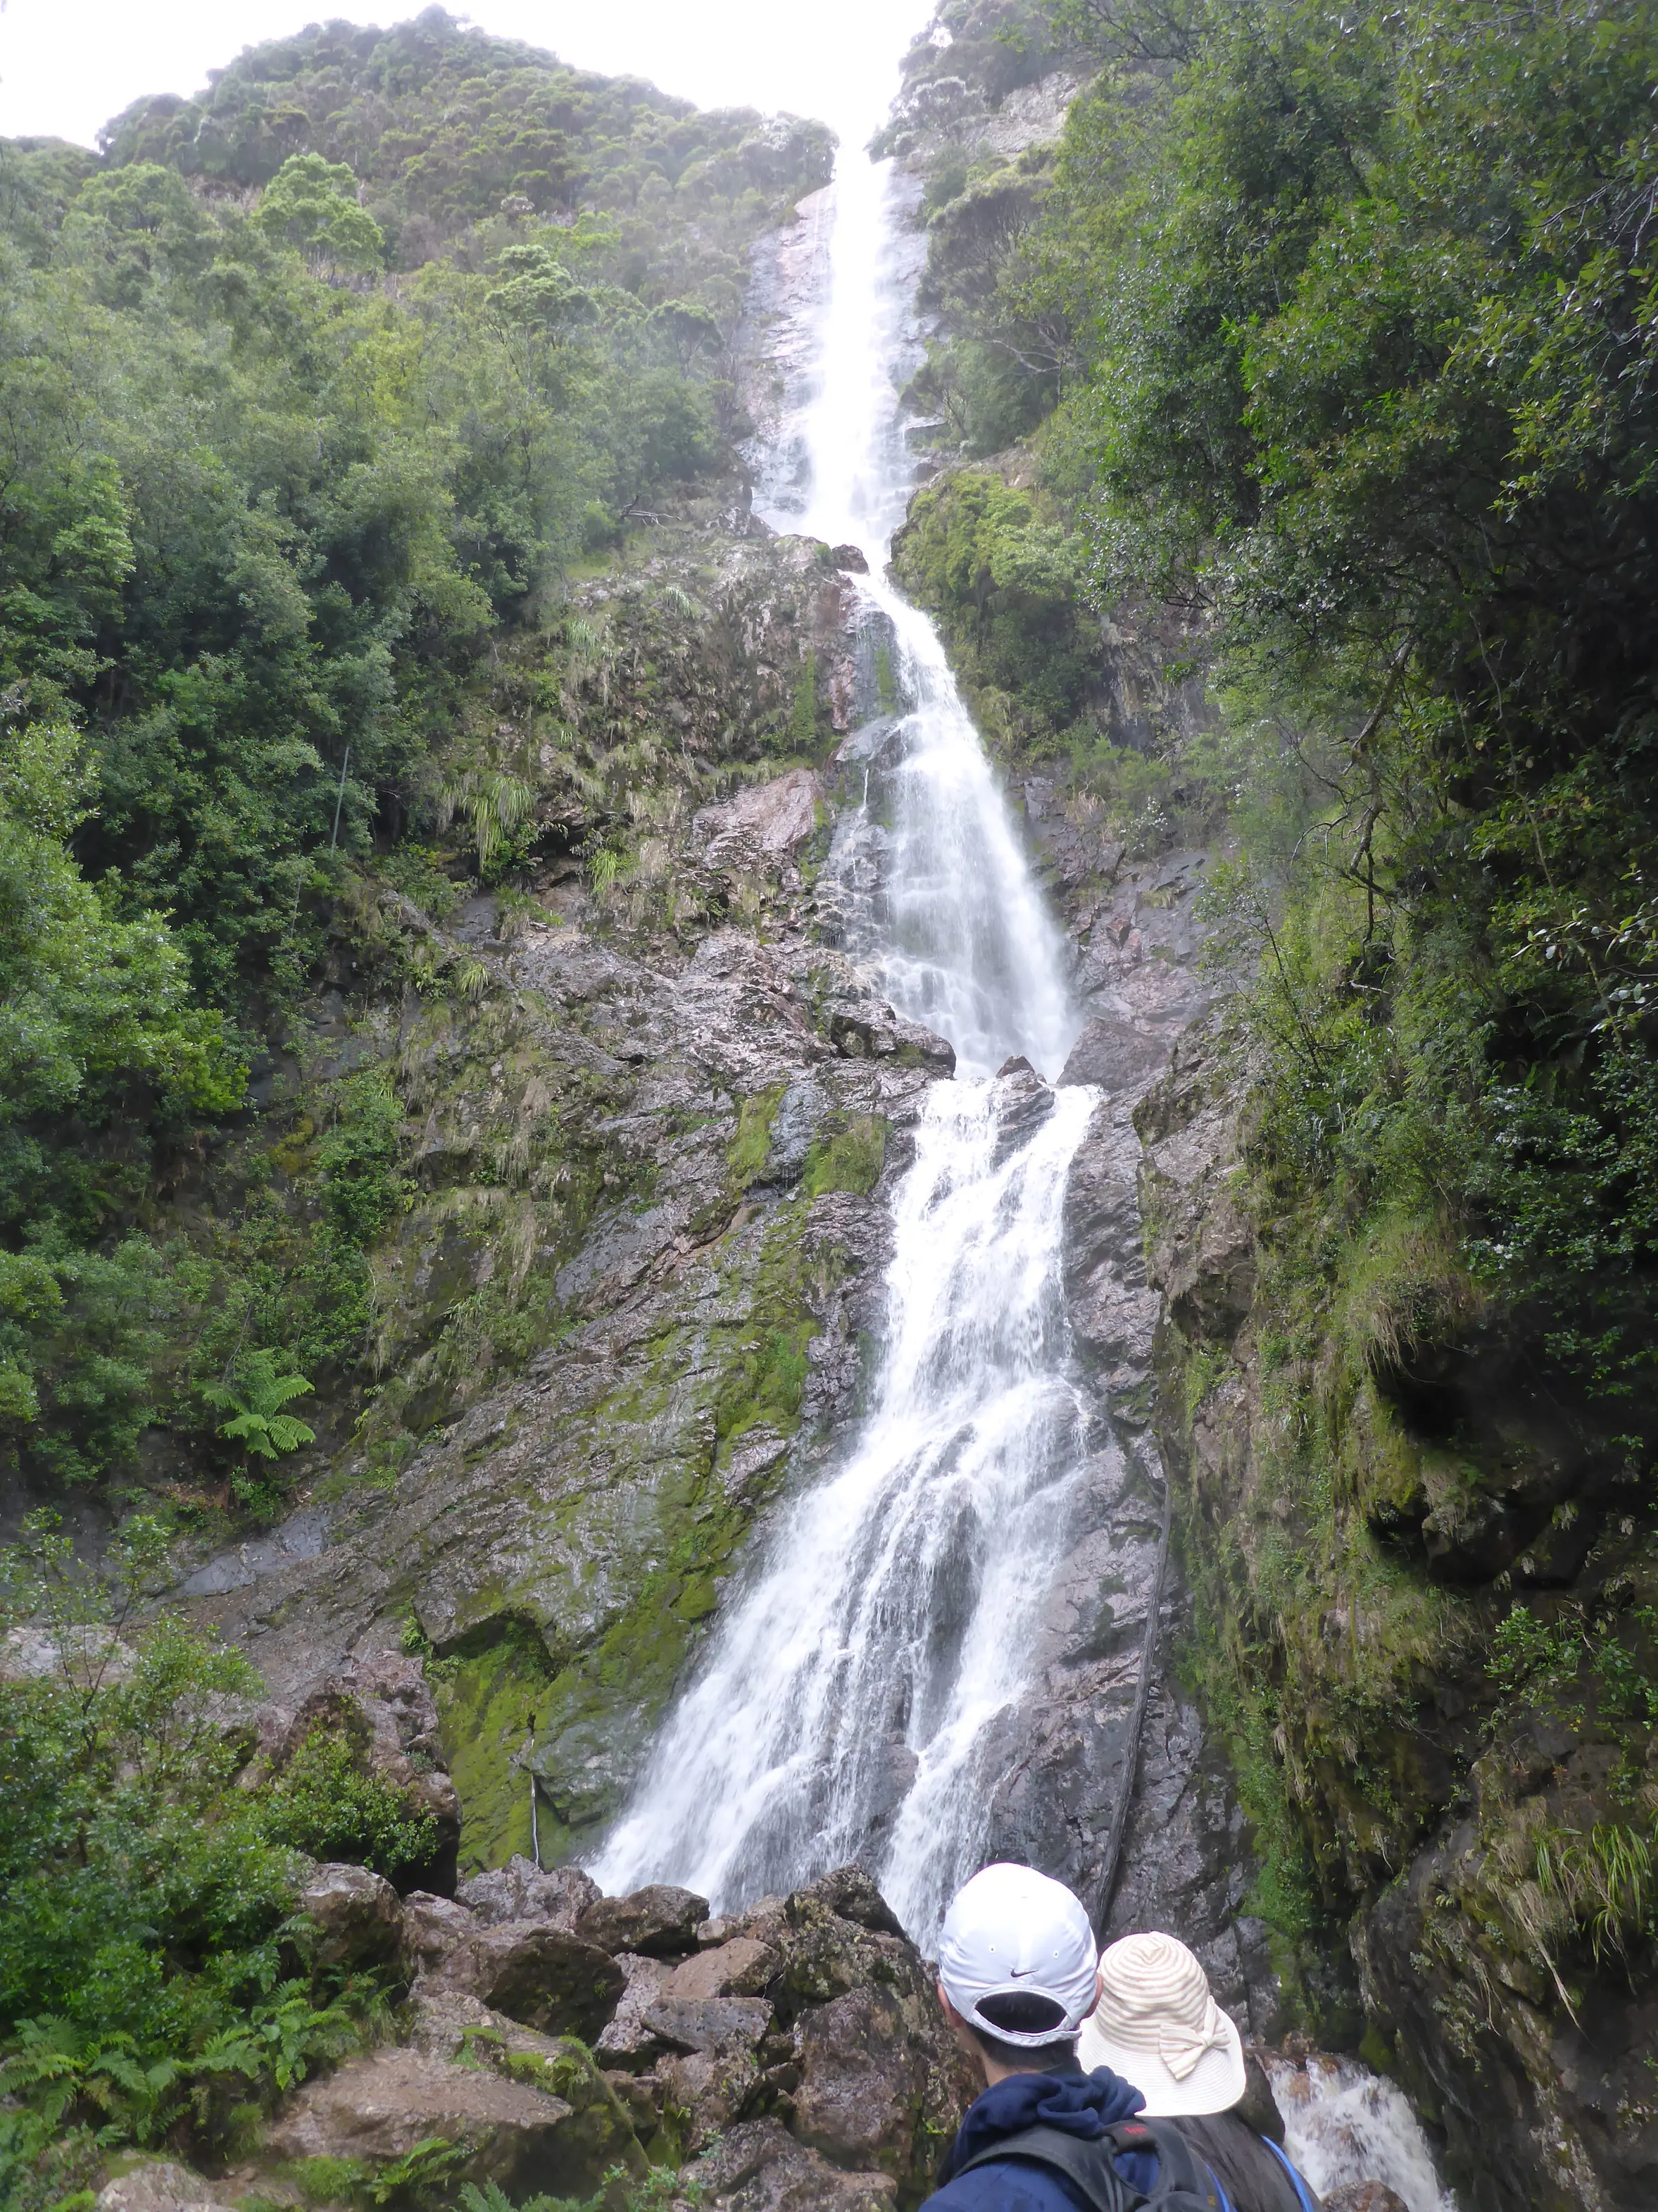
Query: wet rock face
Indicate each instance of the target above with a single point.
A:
(1185, 1863)
(1537, 2111)
(1531, 2056)
(564, 1539)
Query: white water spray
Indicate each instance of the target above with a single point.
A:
(852, 1700)
(1344, 2123)
(955, 928)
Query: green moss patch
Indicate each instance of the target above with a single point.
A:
(750, 1150)
(850, 1157)
(493, 1696)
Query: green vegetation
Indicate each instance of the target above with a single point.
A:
(254, 1403)
(318, 386)
(661, 2189)
(324, 1805)
(1340, 326)
(151, 1989)
(327, 395)
(849, 1156)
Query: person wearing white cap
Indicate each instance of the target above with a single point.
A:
(1020, 1980)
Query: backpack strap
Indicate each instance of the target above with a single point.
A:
(1086, 2165)
(1183, 2178)
(1184, 2183)
(1305, 2195)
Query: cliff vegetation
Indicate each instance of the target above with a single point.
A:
(1327, 345)
(378, 598)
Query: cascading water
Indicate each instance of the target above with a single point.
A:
(848, 1703)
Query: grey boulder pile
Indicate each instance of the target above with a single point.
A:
(559, 2042)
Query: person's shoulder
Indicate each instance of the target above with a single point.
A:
(1004, 2184)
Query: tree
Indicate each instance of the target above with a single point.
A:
(311, 204)
(255, 1402)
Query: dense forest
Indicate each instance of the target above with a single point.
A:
(315, 390)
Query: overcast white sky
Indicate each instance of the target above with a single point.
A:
(66, 66)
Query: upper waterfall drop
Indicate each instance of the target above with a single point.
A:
(852, 1698)
(957, 932)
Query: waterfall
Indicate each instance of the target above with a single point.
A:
(849, 1702)
(853, 1699)
(1345, 2125)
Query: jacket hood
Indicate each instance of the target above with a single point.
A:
(1080, 2105)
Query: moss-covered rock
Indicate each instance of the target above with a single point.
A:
(1435, 1689)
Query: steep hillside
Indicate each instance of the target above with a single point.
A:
(408, 822)
(1323, 550)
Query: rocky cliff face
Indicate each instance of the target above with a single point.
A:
(652, 1119)
(1348, 1569)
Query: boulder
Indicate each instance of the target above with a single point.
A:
(158, 2185)
(851, 560)
(740, 1968)
(661, 1921)
(1364, 2196)
(432, 1928)
(709, 2023)
(627, 2042)
(540, 1976)
(850, 1893)
(760, 2168)
(522, 1891)
(376, 2109)
(862, 2085)
(861, 2058)
(355, 1917)
(704, 2092)
(447, 2025)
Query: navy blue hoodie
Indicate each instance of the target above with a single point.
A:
(1080, 2105)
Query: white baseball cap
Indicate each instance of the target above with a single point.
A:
(1013, 1932)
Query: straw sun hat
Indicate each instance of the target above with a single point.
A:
(1158, 2026)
